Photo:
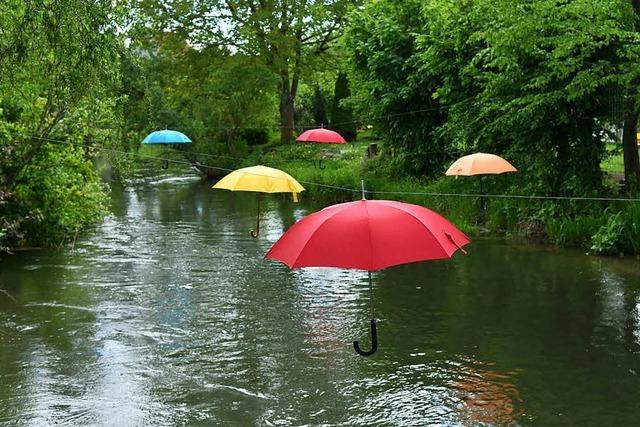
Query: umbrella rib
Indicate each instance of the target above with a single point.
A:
(426, 227)
(311, 237)
(370, 239)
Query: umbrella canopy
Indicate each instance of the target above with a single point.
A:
(166, 136)
(480, 164)
(323, 136)
(260, 179)
(367, 235)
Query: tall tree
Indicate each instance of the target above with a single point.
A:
(58, 72)
(56, 54)
(530, 79)
(630, 126)
(288, 35)
(341, 116)
(319, 107)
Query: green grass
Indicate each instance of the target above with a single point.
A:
(614, 162)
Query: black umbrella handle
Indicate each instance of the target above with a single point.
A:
(165, 164)
(374, 341)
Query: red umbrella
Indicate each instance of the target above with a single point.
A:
(323, 136)
(368, 235)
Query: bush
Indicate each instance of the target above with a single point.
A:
(620, 235)
(609, 240)
(255, 136)
(57, 195)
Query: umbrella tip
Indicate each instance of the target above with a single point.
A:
(363, 191)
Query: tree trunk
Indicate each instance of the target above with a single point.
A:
(288, 92)
(630, 147)
(286, 117)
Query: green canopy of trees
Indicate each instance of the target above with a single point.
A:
(58, 81)
(536, 81)
(544, 83)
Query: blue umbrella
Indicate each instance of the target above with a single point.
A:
(166, 136)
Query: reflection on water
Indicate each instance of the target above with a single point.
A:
(167, 314)
(487, 396)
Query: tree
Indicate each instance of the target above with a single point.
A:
(632, 110)
(381, 41)
(58, 73)
(56, 54)
(341, 116)
(319, 108)
(532, 80)
(199, 92)
(289, 36)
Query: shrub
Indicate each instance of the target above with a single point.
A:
(255, 136)
(59, 194)
(609, 240)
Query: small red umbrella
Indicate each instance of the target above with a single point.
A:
(322, 135)
(368, 235)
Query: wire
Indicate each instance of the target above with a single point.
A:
(513, 196)
(355, 190)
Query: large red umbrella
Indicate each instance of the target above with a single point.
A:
(368, 235)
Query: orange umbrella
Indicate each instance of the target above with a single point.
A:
(480, 164)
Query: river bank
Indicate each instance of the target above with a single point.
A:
(597, 227)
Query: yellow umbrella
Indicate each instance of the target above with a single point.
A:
(260, 179)
(480, 164)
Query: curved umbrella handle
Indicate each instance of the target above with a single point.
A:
(374, 342)
(165, 164)
(320, 165)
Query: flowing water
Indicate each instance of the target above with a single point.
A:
(167, 314)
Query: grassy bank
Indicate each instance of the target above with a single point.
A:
(598, 227)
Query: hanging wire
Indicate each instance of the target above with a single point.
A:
(354, 190)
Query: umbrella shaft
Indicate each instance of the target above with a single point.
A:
(258, 216)
(370, 296)
(255, 233)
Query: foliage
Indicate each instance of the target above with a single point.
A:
(199, 93)
(319, 108)
(341, 116)
(63, 188)
(58, 74)
(620, 235)
(289, 37)
(529, 80)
